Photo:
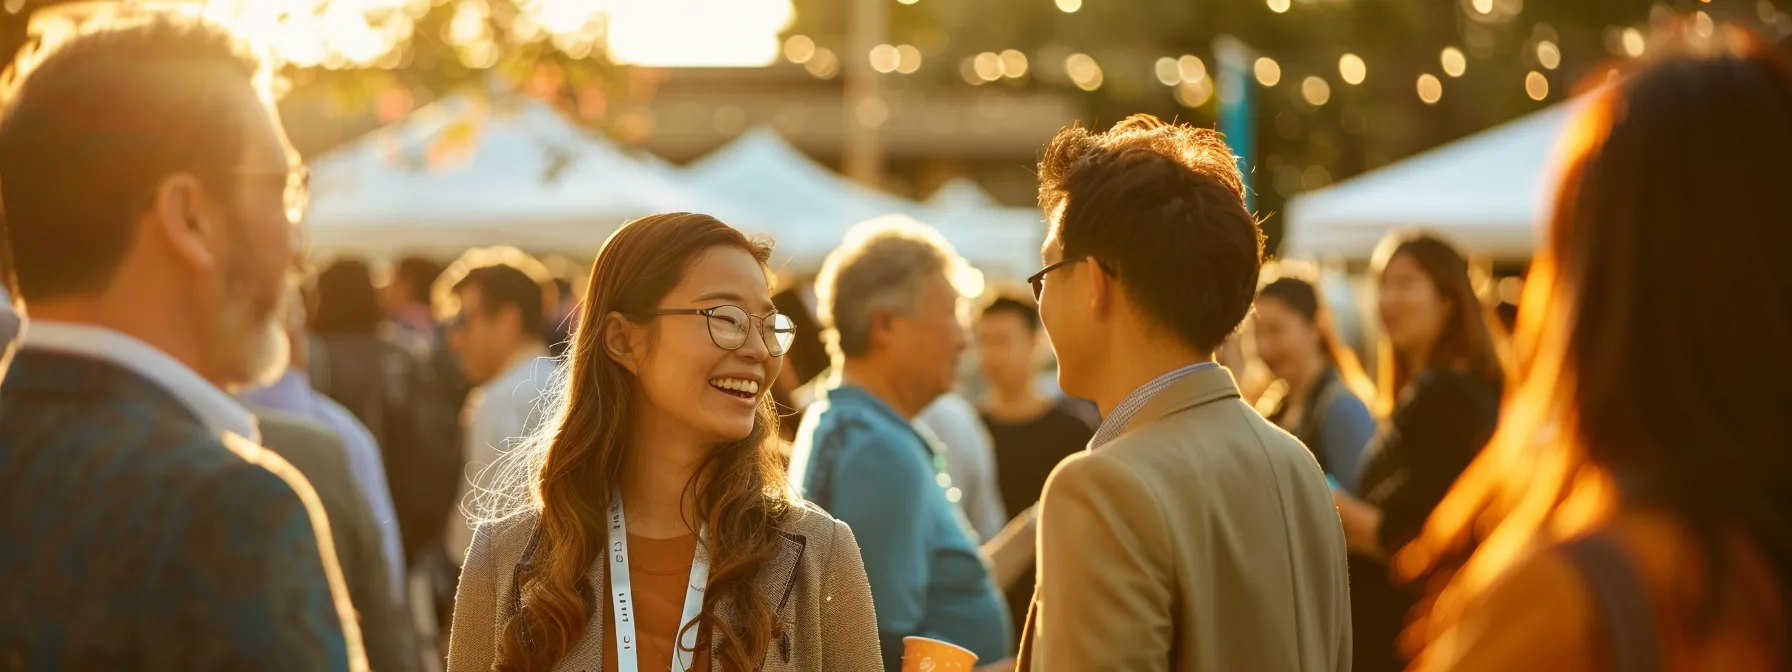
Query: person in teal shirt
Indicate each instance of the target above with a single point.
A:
(892, 320)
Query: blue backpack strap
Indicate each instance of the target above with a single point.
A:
(1620, 598)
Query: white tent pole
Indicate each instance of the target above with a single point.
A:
(864, 156)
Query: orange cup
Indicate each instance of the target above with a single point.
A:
(920, 654)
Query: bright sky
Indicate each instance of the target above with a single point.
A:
(362, 33)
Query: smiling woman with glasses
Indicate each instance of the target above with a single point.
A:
(648, 525)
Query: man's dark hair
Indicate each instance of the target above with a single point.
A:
(1028, 314)
(1161, 208)
(92, 129)
(418, 276)
(504, 285)
(347, 302)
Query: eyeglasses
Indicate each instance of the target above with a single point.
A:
(295, 183)
(1037, 280)
(728, 326)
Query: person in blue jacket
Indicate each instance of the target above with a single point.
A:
(892, 316)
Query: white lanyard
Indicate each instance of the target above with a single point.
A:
(622, 599)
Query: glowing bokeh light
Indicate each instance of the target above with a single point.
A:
(1083, 71)
(1431, 89)
(1191, 68)
(908, 59)
(1536, 85)
(1269, 73)
(885, 58)
(823, 64)
(1014, 64)
(1195, 93)
(988, 66)
(1278, 6)
(1484, 6)
(1453, 61)
(1549, 55)
(799, 49)
(1069, 6)
(1633, 42)
(1352, 68)
(1316, 91)
(1167, 72)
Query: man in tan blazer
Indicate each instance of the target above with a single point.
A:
(1193, 535)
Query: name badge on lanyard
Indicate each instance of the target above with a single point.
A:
(622, 596)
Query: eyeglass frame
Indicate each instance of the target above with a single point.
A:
(1037, 280)
(295, 191)
(709, 314)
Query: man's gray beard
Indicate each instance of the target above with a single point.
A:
(269, 353)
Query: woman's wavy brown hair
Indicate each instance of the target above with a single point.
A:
(1651, 338)
(739, 490)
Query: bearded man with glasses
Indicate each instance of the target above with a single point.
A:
(153, 200)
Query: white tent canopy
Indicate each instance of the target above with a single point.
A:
(1486, 193)
(961, 192)
(465, 172)
(763, 185)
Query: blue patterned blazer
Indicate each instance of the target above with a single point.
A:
(131, 537)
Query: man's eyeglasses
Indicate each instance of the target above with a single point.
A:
(295, 183)
(729, 326)
(1037, 280)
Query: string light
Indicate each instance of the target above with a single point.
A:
(1069, 6)
(1633, 42)
(988, 66)
(1195, 93)
(1484, 6)
(1167, 72)
(1269, 73)
(1278, 6)
(908, 59)
(1536, 85)
(885, 58)
(1190, 68)
(1316, 91)
(1548, 55)
(1352, 68)
(799, 49)
(1431, 89)
(1014, 64)
(1453, 61)
(1083, 71)
(968, 70)
(823, 64)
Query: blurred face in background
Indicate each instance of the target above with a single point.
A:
(485, 339)
(926, 343)
(1413, 312)
(1283, 338)
(1006, 343)
(687, 373)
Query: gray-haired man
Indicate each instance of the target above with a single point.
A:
(892, 318)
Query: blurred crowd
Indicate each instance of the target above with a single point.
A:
(1155, 454)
